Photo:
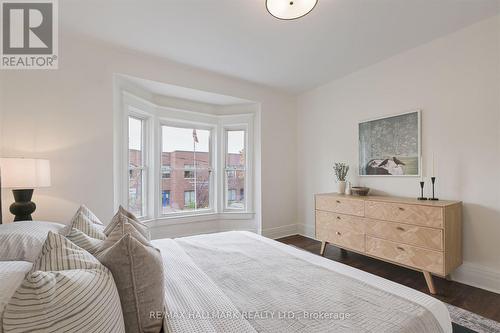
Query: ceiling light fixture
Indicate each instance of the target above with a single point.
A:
(290, 9)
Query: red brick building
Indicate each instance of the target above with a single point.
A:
(183, 181)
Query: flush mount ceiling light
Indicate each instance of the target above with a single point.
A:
(290, 9)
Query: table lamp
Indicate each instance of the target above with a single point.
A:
(23, 175)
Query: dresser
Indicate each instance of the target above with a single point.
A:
(421, 235)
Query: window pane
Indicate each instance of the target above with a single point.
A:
(186, 153)
(235, 184)
(165, 171)
(235, 156)
(136, 192)
(235, 170)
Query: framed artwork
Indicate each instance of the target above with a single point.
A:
(390, 146)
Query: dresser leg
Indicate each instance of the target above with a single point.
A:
(323, 248)
(430, 283)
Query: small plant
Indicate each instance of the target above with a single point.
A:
(341, 170)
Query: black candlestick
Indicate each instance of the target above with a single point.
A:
(433, 180)
(422, 192)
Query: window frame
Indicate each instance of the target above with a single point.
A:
(154, 117)
(166, 171)
(228, 128)
(162, 121)
(144, 165)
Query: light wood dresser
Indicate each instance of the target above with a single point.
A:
(422, 235)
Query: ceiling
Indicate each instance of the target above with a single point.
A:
(164, 89)
(240, 39)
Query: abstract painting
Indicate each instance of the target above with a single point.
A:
(390, 146)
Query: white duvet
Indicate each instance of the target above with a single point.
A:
(242, 282)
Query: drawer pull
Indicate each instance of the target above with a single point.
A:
(400, 228)
(338, 217)
(400, 248)
(338, 201)
(401, 208)
(338, 233)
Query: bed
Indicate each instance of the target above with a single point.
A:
(242, 282)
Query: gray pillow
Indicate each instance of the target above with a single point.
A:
(138, 272)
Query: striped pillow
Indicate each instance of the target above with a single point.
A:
(94, 246)
(122, 212)
(58, 254)
(88, 214)
(84, 241)
(83, 223)
(75, 294)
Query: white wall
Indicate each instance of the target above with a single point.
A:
(455, 80)
(66, 116)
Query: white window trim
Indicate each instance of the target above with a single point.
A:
(235, 123)
(165, 120)
(145, 155)
(155, 116)
(141, 110)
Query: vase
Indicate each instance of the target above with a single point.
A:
(348, 188)
(341, 186)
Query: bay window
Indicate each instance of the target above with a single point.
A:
(182, 163)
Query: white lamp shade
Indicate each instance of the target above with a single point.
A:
(24, 173)
(290, 9)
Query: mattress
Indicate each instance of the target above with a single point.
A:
(11, 276)
(184, 258)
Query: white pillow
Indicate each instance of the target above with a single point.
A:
(23, 241)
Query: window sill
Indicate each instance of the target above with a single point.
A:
(202, 217)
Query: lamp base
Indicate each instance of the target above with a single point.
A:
(23, 207)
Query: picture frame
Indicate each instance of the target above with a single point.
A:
(391, 146)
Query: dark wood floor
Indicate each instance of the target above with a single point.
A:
(482, 302)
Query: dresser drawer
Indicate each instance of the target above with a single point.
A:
(425, 237)
(426, 260)
(340, 205)
(412, 214)
(343, 230)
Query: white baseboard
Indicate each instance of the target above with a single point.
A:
(279, 232)
(478, 276)
(306, 230)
